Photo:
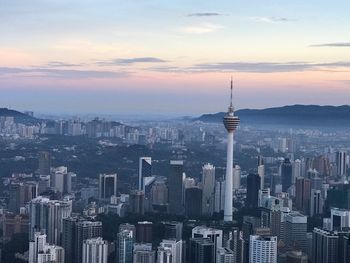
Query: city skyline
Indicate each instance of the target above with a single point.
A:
(115, 57)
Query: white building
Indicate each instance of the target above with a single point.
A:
(95, 250)
(340, 219)
(170, 251)
(262, 249)
(42, 252)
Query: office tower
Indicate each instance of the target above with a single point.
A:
(208, 189)
(143, 253)
(145, 170)
(236, 177)
(232, 240)
(42, 252)
(261, 171)
(16, 197)
(170, 251)
(324, 246)
(44, 183)
(215, 235)
(253, 187)
(295, 231)
(107, 186)
(44, 163)
(219, 195)
(341, 163)
(296, 168)
(30, 191)
(173, 230)
(340, 219)
(303, 194)
(316, 203)
(175, 188)
(61, 180)
(231, 122)
(125, 244)
(224, 255)
(286, 174)
(47, 215)
(159, 193)
(128, 227)
(137, 202)
(201, 250)
(144, 232)
(193, 202)
(95, 250)
(262, 249)
(296, 257)
(75, 231)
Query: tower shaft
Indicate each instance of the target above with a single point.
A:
(229, 178)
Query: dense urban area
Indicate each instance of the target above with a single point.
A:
(95, 191)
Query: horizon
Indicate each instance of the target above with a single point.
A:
(116, 57)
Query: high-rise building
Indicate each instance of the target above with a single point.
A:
(215, 235)
(144, 232)
(303, 194)
(173, 230)
(263, 249)
(340, 219)
(219, 195)
(324, 246)
(42, 252)
(253, 187)
(159, 194)
(236, 177)
(61, 180)
(170, 251)
(201, 250)
(295, 231)
(14, 224)
(107, 186)
(286, 174)
(231, 123)
(125, 245)
(44, 163)
(137, 202)
(208, 189)
(341, 163)
(224, 255)
(95, 250)
(261, 171)
(296, 168)
(47, 215)
(316, 203)
(75, 231)
(145, 170)
(175, 188)
(193, 202)
(143, 253)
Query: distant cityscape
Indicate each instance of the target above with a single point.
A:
(172, 191)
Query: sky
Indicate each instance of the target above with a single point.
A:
(172, 57)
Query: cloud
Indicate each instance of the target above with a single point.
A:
(336, 44)
(60, 73)
(201, 29)
(270, 20)
(205, 14)
(131, 61)
(57, 64)
(258, 67)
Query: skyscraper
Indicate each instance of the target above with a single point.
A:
(137, 202)
(215, 235)
(286, 174)
(341, 163)
(44, 163)
(261, 171)
(231, 122)
(145, 170)
(208, 188)
(236, 177)
(303, 194)
(175, 185)
(170, 251)
(107, 186)
(262, 249)
(143, 253)
(125, 244)
(295, 231)
(253, 187)
(193, 202)
(201, 250)
(95, 250)
(144, 232)
(41, 252)
(173, 230)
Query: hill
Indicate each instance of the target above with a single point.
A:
(18, 116)
(303, 115)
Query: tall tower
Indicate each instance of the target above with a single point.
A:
(231, 122)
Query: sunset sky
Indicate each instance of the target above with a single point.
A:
(172, 57)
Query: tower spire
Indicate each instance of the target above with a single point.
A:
(231, 92)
